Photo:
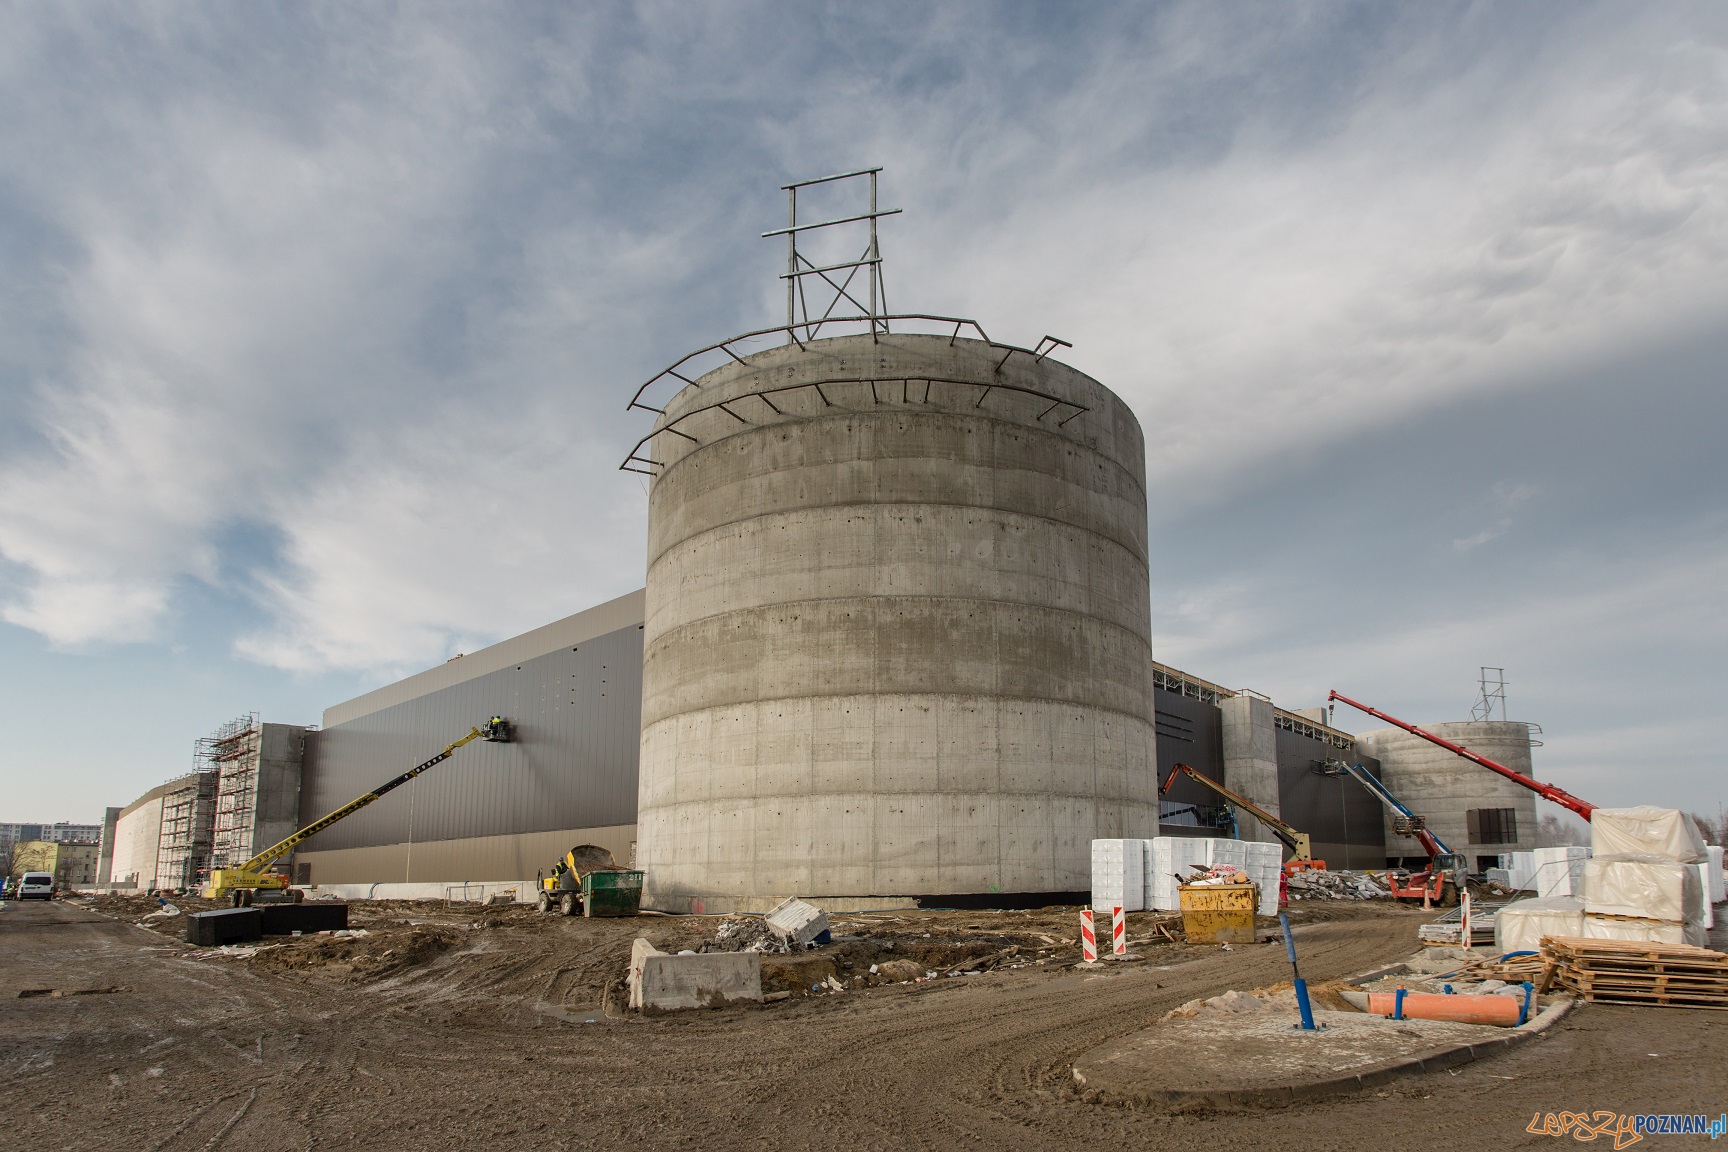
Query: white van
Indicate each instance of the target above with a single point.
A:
(36, 886)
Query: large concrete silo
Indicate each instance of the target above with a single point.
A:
(1444, 788)
(898, 635)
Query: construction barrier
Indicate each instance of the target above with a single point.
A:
(1118, 932)
(1088, 940)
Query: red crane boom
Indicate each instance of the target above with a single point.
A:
(1548, 791)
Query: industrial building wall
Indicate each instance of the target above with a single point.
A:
(1189, 732)
(1342, 819)
(523, 856)
(276, 803)
(575, 713)
(137, 833)
(105, 859)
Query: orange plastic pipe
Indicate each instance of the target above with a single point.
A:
(1498, 1010)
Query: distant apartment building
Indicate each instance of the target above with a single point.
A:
(61, 833)
(73, 864)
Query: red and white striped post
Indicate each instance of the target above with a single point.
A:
(1118, 932)
(1088, 939)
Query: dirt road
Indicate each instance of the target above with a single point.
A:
(481, 1041)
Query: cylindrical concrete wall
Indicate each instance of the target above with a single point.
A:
(898, 635)
(1443, 787)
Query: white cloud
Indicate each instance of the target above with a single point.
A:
(382, 299)
(1451, 234)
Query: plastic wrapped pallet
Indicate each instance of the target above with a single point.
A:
(1718, 892)
(1707, 918)
(1643, 931)
(1166, 856)
(1656, 831)
(1557, 871)
(1520, 926)
(1645, 885)
(1118, 875)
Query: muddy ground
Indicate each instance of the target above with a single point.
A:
(500, 1027)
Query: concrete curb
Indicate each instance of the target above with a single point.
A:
(1278, 1095)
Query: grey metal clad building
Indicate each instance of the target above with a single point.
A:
(1269, 754)
(573, 693)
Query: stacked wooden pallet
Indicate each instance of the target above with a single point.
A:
(1513, 970)
(1622, 972)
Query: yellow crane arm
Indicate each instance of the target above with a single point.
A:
(276, 851)
(1298, 842)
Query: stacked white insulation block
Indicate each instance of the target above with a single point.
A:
(1646, 830)
(1642, 931)
(1520, 869)
(1556, 871)
(1266, 868)
(1118, 875)
(1644, 885)
(1167, 856)
(1715, 880)
(1643, 882)
(1520, 926)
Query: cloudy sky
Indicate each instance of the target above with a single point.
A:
(317, 324)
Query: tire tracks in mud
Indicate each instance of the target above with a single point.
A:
(455, 1053)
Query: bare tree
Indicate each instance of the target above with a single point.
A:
(1556, 831)
(1714, 830)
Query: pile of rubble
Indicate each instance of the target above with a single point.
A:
(1340, 885)
(1213, 876)
(747, 934)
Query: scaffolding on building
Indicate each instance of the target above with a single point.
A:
(188, 818)
(231, 754)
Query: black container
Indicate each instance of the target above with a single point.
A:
(224, 926)
(287, 919)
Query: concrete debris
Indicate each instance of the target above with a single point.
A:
(798, 922)
(750, 934)
(1318, 884)
(1214, 876)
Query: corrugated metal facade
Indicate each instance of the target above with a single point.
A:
(576, 713)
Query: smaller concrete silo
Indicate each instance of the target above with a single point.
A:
(1472, 810)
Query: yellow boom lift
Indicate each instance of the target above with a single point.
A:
(252, 877)
(1301, 850)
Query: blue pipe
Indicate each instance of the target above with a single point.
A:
(1302, 1004)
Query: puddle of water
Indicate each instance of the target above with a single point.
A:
(582, 1016)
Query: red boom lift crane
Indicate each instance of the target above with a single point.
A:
(1547, 791)
(1429, 880)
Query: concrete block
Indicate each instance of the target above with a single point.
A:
(662, 982)
(224, 926)
(287, 919)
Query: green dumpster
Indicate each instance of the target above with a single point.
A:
(611, 892)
